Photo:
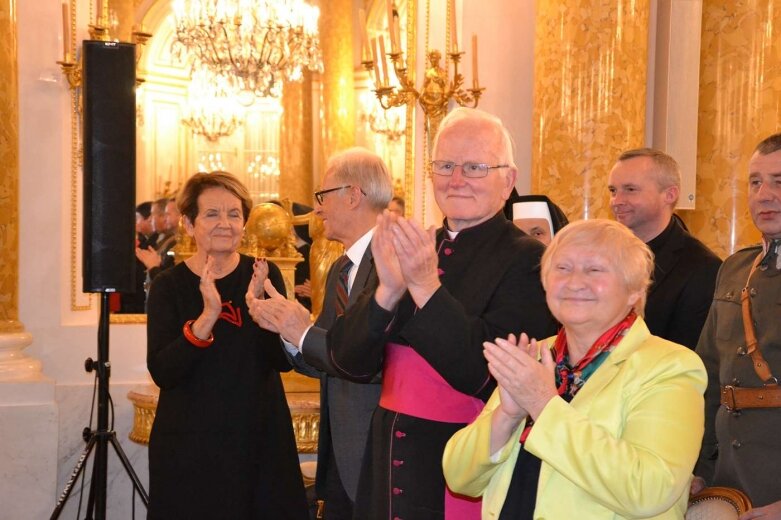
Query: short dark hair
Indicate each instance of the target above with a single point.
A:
(144, 209)
(160, 204)
(187, 202)
(769, 145)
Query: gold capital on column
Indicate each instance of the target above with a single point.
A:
(338, 100)
(589, 97)
(14, 364)
(739, 76)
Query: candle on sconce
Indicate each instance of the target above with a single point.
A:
(453, 32)
(475, 82)
(385, 79)
(99, 14)
(391, 30)
(376, 63)
(66, 35)
(397, 32)
(364, 36)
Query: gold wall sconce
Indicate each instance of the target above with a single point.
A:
(438, 89)
(100, 31)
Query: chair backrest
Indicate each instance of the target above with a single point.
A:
(717, 503)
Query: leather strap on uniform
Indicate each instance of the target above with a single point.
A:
(760, 365)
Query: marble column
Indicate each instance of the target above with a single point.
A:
(14, 364)
(589, 97)
(740, 77)
(28, 413)
(338, 90)
(295, 141)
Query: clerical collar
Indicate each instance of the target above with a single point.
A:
(658, 242)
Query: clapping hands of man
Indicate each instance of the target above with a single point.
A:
(276, 313)
(405, 257)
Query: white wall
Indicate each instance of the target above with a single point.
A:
(505, 33)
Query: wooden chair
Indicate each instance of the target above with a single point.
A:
(717, 503)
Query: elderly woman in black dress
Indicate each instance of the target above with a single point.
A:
(222, 444)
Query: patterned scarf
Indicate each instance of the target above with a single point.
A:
(570, 379)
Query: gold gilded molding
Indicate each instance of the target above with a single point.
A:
(740, 72)
(409, 130)
(76, 163)
(338, 86)
(302, 395)
(9, 179)
(589, 97)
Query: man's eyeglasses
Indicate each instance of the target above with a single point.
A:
(320, 195)
(468, 169)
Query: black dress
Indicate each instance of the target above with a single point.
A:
(222, 445)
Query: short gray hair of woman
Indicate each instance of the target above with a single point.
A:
(365, 169)
(629, 255)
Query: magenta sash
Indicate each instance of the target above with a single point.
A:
(411, 386)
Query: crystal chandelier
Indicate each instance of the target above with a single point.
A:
(389, 123)
(254, 43)
(211, 112)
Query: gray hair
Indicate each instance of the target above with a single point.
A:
(365, 169)
(668, 173)
(629, 255)
(462, 113)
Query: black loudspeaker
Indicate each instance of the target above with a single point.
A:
(108, 81)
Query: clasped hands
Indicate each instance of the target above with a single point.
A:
(405, 257)
(276, 313)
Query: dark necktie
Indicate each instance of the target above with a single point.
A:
(343, 266)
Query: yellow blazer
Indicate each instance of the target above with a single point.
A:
(624, 447)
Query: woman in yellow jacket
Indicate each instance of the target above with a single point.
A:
(602, 421)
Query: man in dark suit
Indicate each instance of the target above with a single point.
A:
(159, 256)
(355, 189)
(644, 187)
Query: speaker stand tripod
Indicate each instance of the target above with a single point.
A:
(100, 438)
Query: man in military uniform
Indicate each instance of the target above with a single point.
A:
(742, 445)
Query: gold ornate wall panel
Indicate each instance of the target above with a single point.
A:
(9, 174)
(295, 144)
(590, 61)
(740, 89)
(338, 101)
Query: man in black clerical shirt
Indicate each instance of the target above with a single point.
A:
(644, 187)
